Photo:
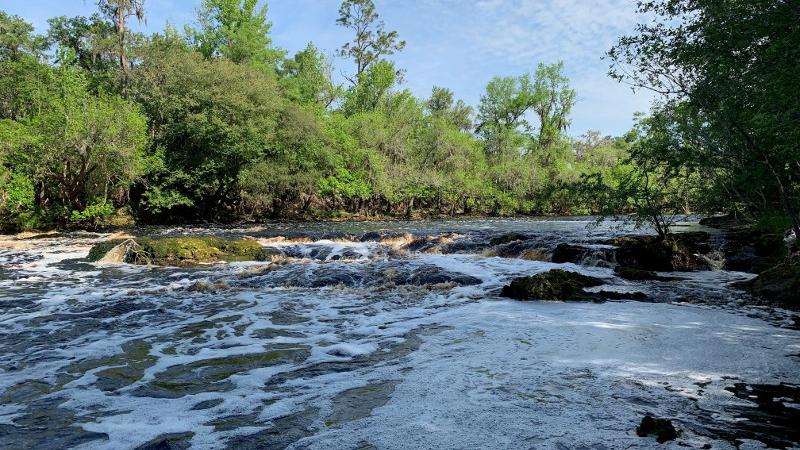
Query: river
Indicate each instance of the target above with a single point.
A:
(372, 336)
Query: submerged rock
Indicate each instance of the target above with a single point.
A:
(506, 238)
(662, 429)
(356, 276)
(578, 254)
(553, 285)
(179, 251)
(722, 222)
(633, 274)
(615, 295)
(171, 441)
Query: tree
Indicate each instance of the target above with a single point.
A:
(649, 180)
(501, 115)
(733, 65)
(118, 11)
(553, 101)
(236, 30)
(371, 41)
(92, 40)
(442, 104)
(307, 78)
(80, 147)
(373, 87)
(210, 119)
(20, 66)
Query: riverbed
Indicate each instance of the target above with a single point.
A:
(382, 335)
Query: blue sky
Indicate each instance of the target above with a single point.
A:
(459, 44)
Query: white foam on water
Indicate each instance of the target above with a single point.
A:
(489, 373)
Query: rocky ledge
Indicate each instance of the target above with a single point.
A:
(178, 251)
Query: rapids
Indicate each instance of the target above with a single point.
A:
(386, 335)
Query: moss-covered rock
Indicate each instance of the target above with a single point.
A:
(183, 251)
(553, 285)
(778, 286)
(98, 251)
(662, 429)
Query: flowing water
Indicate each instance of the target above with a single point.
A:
(381, 335)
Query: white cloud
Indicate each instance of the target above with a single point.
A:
(463, 44)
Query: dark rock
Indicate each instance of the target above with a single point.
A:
(614, 295)
(174, 441)
(662, 429)
(721, 222)
(346, 255)
(568, 253)
(770, 414)
(513, 249)
(633, 274)
(778, 286)
(431, 275)
(349, 275)
(553, 285)
(506, 238)
(752, 251)
(371, 236)
(577, 254)
(662, 255)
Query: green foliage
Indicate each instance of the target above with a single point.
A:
(345, 184)
(307, 78)
(86, 146)
(92, 213)
(373, 88)
(237, 30)
(92, 41)
(209, 119)
(728, 72)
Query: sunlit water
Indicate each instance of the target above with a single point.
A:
(360, 337)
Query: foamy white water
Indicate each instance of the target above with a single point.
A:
(352, 344)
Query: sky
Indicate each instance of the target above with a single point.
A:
(459, 44)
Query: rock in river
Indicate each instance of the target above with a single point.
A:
(179, 251)
(553, 285)
(676, 253)
(662, 429)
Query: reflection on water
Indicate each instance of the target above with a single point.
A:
(376, 335)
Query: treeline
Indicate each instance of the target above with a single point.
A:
(216, 123)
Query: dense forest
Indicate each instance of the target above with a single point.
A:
(102, 125)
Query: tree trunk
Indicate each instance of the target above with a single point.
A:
(124, 64)
(785, 200)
